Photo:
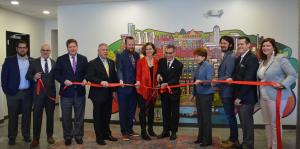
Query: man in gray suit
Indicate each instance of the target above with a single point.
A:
(41, 68)
(224, 72)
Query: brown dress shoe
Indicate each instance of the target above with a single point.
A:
(125, 138)
(229, 144)
(34, 143)
(50, 140)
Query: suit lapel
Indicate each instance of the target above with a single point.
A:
(102, 67)
(40, 67)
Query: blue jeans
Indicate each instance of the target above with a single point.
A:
(71, 129)
(228, 105)
(127, 107)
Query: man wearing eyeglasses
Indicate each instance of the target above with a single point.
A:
(42, 68)
(18, 91)
(168, 73)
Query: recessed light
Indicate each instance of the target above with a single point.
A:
(46, 12)
(14, 2)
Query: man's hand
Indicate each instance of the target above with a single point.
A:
(122, 83)
(137, 84)
(104, 83)
(198, 82)
(163, 85)
(237, 102)
(68, 83)
(83, 82)
(37, 76)
(229, 79)
(277, 85)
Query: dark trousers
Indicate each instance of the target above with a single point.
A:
(127, 107)
(170, 111)
(102, 115)
(39, 104)
(146, 114)
(246, 118)
(228, 105)
(21, 103)
(203, 104)
(71, 129)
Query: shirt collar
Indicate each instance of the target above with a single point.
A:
(22, 58)
(242, 56)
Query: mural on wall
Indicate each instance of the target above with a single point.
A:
(186, 42)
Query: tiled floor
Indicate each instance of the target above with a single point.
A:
(186, 136)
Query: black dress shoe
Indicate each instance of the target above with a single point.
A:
(111, 138)
(101, 142)
(198, 141)
(145, 136)
(164, 134)
(12, 141)
(205, 144)
(79, 141)
(27, 140)
(173, 136)
(68, 142)
(151, 133)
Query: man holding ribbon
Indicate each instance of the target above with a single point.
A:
(41, 68)
(71, 67)
(102, 71)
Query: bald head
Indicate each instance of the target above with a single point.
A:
(45, 50)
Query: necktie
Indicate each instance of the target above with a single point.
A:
(105, 63)
(168, 65)
(46, 67)
(132, 61)
(74, 64)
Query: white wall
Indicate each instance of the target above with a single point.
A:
(94, 23)
(11, 21)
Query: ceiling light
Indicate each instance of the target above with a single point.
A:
(46, 12)
(14, 2)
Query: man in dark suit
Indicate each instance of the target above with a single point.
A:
(168, 73)
(102, 71)
(127, 96)
(18, 91)
(69, 68)
(245, 95)
(41, 68)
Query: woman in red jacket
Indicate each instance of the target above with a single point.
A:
(145, 77)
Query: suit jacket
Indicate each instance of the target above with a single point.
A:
(224, 72)
(63, 71)
(96, 73)
(48, 79)
(279, 70)
(205, 71)
(173, 75)
(10, 75)
(143, 75)
(126, 71)
(246, 71)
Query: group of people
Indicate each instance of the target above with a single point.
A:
(21, 75)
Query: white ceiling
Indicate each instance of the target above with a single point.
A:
(35, 7)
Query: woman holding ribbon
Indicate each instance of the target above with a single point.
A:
(203, 92)
(146, 79)
(273, 68)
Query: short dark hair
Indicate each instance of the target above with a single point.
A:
(170, 46)
(128, 38)
(147, 44)
(69, 41)
(246, 39)
(229, 40)
(273, 43)
(21, 42)
(202, 51)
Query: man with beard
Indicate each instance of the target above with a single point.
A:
(18, 91)
(224, 72)
(127, 96)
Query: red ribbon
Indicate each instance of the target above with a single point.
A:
(38, 90)
(169, 89)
